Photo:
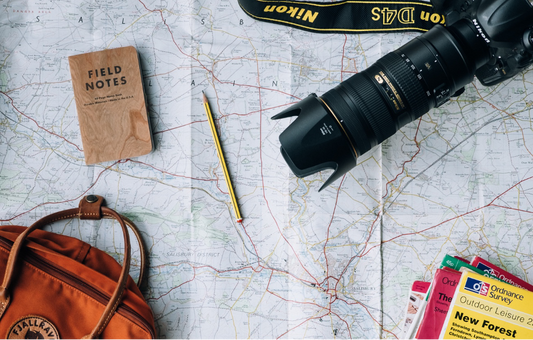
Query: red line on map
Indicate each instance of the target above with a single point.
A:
(508, 114)
(129, 160)
(65, 201)
(376, 321)
(302, 323)
(263, 178)
(262, 110)
(490, 204)
(201, 64)
(36, 123)
(327, 233)
(179, 127)
(342, 58)
(259, 88)
(404, 163)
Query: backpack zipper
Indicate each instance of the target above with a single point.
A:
(50, 268)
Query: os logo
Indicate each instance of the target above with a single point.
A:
(476, 286)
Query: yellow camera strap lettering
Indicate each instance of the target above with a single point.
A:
(346, 16)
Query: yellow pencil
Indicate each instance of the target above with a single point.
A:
(221, 158)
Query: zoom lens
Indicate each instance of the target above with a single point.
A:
(331, 131)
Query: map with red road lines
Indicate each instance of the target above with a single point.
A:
(303, 264)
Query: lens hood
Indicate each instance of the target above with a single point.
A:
(315, 141)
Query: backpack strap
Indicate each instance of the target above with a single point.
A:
(90, 207)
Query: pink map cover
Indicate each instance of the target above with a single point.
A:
(440, 297)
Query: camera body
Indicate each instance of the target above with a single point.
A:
(506, 27)
(488, 39)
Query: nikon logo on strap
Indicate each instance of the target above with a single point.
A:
(346, 16)
(294, 12)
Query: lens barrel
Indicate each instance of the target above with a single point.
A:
(372, 105)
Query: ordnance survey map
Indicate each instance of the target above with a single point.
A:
(303, 264)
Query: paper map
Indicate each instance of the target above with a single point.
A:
(304, 264)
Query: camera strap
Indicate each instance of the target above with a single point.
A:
(348, 16)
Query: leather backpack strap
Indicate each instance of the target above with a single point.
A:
(91, 207)
(142, 251)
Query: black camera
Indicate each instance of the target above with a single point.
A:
(489, 39)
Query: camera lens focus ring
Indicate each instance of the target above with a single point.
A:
(369, 100)
(357, 103)
(409, 86)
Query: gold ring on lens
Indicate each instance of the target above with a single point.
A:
(342, 127)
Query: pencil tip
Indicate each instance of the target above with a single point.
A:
(204, 97)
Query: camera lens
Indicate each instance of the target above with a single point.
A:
(331, 131)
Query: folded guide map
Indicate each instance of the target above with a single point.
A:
(490, 268)
(442, 291)
(468, 302)
(417, 296)
(484, 308)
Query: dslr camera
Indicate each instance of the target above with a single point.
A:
(489, 39)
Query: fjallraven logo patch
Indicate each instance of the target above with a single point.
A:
(32, 327)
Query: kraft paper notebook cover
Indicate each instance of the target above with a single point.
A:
(111, 104)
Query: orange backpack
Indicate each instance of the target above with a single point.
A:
(58, 286)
